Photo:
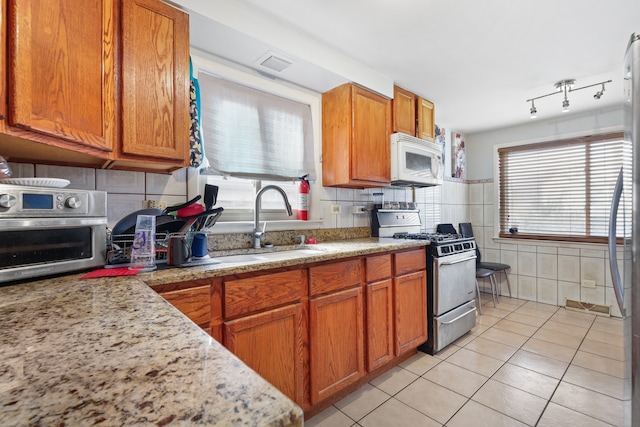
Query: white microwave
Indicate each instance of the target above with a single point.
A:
(415, 162)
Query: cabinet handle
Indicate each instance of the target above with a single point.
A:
(458, 261)
(459, 317)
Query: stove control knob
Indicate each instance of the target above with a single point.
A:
(8, 200)
(73, 202)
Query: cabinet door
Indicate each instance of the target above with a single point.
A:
(336, 342)
(379, 325)
(3, 59)
(411, 311)
(155, 81)
(370, 149)
(195, 303)
(271, 343)
(62, 69)
(404, 111)
(426, 119)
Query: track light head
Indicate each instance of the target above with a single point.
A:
(533, 110)
(599, 93)
(565, 105)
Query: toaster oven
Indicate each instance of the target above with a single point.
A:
(47, 231)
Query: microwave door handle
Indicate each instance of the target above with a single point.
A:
(613, 256)
(436, 169)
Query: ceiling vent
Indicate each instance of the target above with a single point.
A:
(274, 62)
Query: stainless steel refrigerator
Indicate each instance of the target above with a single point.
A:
(624, 234)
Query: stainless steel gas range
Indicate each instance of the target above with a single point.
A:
(451, 276)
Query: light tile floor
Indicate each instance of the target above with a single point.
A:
(524, 363)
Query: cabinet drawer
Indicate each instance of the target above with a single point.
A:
(378, 267)
(335, 276)
(243, 296)
(406, 262)
(195, 303)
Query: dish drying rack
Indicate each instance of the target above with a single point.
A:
(119, 246)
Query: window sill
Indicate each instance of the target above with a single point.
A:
(552, 243)
(276, 225)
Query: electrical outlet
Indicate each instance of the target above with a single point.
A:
(357, 210)
(336, 209)
(154, 204)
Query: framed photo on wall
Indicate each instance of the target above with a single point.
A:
(458, 156)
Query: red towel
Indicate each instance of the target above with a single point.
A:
(108, 272)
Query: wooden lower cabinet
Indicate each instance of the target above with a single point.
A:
(410, 299)
(272, 344)
(379, 330)
(336, 342)
(195, 303)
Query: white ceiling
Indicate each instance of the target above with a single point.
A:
(478, 61)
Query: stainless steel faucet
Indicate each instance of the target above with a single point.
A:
(257, 233)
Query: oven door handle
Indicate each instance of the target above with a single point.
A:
(458, 261)
(459, 317)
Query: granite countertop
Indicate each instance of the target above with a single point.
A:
(279, 257)
(112, 351)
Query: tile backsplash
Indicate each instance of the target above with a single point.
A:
(127, 190)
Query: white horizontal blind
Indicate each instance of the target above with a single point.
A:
(254, 134)
(560, 188)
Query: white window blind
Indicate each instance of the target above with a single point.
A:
(254, 134)
(561, 189)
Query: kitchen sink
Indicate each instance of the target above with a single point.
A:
(268, 256)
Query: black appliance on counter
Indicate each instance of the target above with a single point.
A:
(451, 276)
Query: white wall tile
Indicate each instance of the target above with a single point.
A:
(592, 295)
(592, 253)
(344, 194)
(547, 266)
(547, 249)
(361, 220)
(488, 215)
(22, 170)
(174, 184)
(478, 234)
(326, 193)
(489, 242)
(121, 205)
(612, 302)
(592, 269)
(463, 194)
(362, 196)
(527, 288)
(124, 182)
(569, 268)
(476, 194)
(510, 258)
(328, 219)
(488, 193)
(527, 264)
(547, 291)
(527, 248)
(81, 178)
(491, 255)
(568, 251)
(462, 212)
(345, 218)
(476, 214)
(568, 290)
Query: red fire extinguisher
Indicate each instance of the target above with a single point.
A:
(303, 198)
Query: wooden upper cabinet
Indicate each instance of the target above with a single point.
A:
(426, 119)
(356, 125)
(155, 82)
(61, 66)
(3, 59)
(404, 111)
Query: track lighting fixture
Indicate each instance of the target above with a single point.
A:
(599, 93)
(534, 112)
(565, 87)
